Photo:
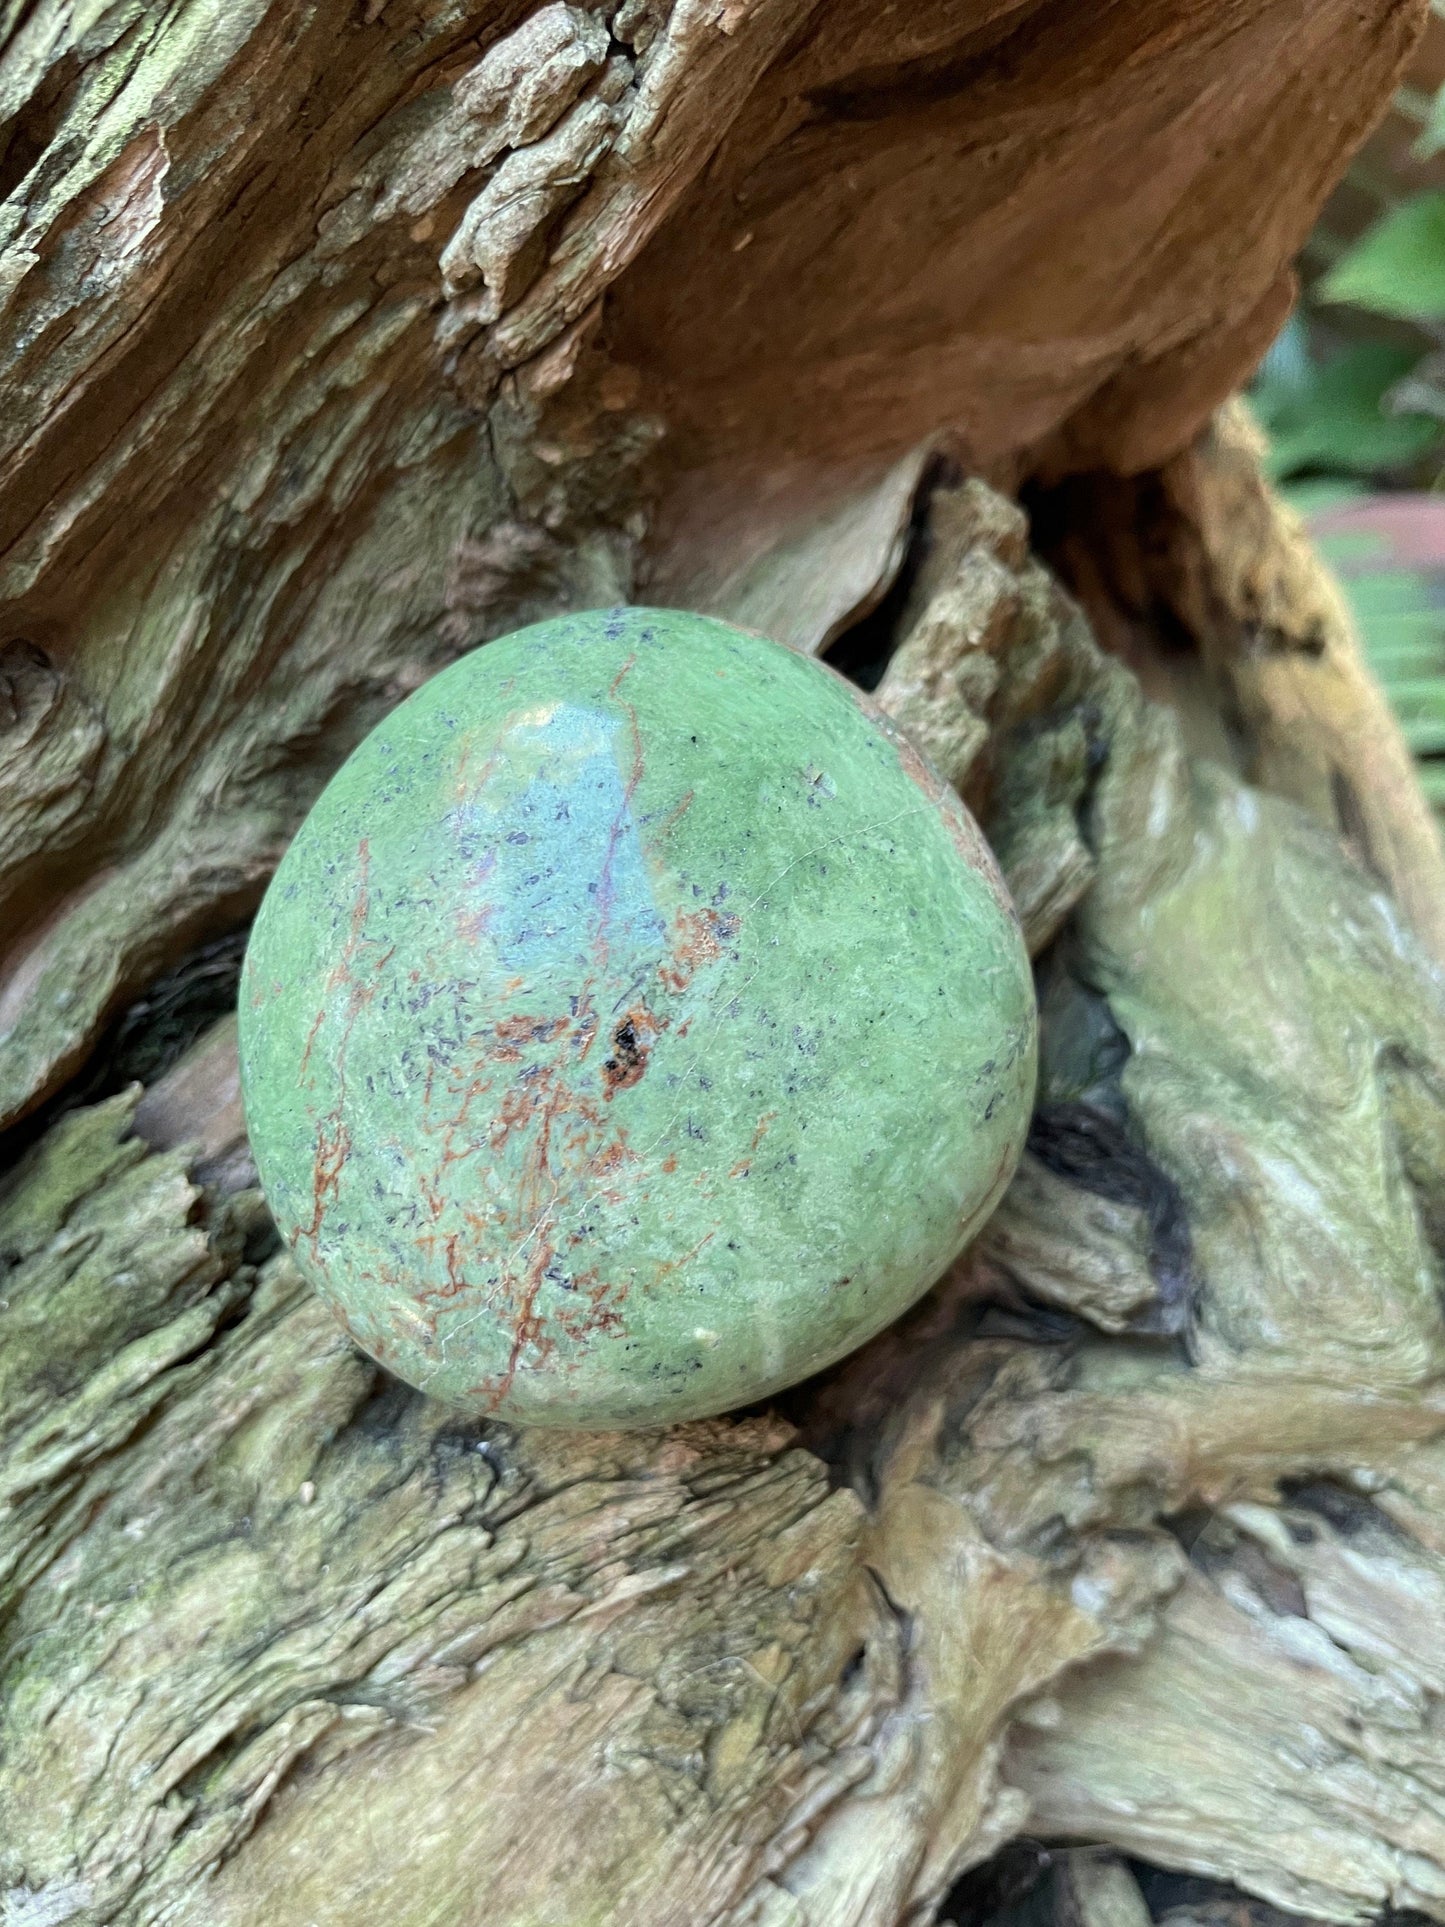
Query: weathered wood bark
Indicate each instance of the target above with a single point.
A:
(337, 338)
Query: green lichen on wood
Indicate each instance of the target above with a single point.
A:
(285, 1641)
(307, 1565)
(263, 480)
(107, 1287)
(336, 486)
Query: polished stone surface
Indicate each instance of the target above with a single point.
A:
(635, 1026)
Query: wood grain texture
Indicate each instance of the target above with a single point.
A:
(336, 338)
(285, 1641)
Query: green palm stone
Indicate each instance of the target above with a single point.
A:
(636, 1025)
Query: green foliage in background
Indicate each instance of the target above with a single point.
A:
(1353, 392)
(1332, 418)
(1352, 397)
(1402, 623)
(1397, 267)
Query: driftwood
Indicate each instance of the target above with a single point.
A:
(342, 338)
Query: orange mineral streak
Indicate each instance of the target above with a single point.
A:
(760, 1131)
(333, 1137)
(565, 1146)
(698, 937)
(561, 1128)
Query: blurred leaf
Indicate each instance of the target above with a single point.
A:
(1334, 418)
(1400, 611)
(1397, 267)
(1288, 362)
(1432, 134)
(1419, 393)
(1317, 492)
